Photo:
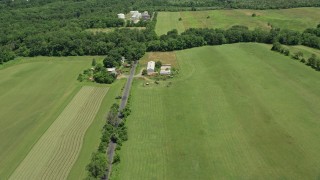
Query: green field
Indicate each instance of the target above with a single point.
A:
(53, 156)
(33, 93)
(307, 52)
(233, 113)
(296, 19)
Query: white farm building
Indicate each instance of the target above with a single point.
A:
(135, 16)
(112, 70)
(121, 16)
(165, 69)
(150, 67)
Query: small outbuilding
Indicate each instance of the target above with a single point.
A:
(133, 12)
(112, 70)
(145, 15)
(121, 16)
(165, 69)
(150, 67)
(135, 16)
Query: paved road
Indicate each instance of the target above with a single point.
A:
(112, 146)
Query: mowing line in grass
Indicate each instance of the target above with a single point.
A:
(233, 113)
(56, 151)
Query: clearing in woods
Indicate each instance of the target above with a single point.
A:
(295, 19)
(232, 113)
(53, 156)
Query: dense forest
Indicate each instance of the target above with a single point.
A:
(57, 28)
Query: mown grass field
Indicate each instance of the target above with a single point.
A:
(233, 113)
(296, 19)
(53, 156)
(33, 93)
(307, 51)
(93, 134)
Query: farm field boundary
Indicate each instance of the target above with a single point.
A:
(53, 156)
(239, 111)
(295, 19)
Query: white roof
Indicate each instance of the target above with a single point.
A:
(111, 69)
(151, 65)
(165, 67)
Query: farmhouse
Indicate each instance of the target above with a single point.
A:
(145, 15)
(112, 70)
(150, 67)
(165, 69)
(121, 16)
(135, 16)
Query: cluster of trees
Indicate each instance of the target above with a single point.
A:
(97, 73)
(199, 37)
(66, 43)
(6, 55)
(99, 22)
(315, 31)
(131, 51)
(310, 37)
(99, 162)
(112, 131)
(58, 27)
(122, 43)
(279, 48)
(313, 61)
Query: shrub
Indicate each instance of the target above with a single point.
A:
(94, 63)
(144, 72)
(80, 77)
(276, 47)
(286, 52)
(158, 64)
(116, 158)
(97, 166)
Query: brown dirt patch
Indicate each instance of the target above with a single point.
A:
(164, 57)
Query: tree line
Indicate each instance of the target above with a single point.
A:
(196, 37)
(58, 28)
(313, 61)
(112, 131)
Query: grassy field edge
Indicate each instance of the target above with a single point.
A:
(93, 134)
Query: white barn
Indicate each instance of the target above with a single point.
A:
(165, 70)
(121, 16)
(112, 70)
(150, 67)
(135, 16)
